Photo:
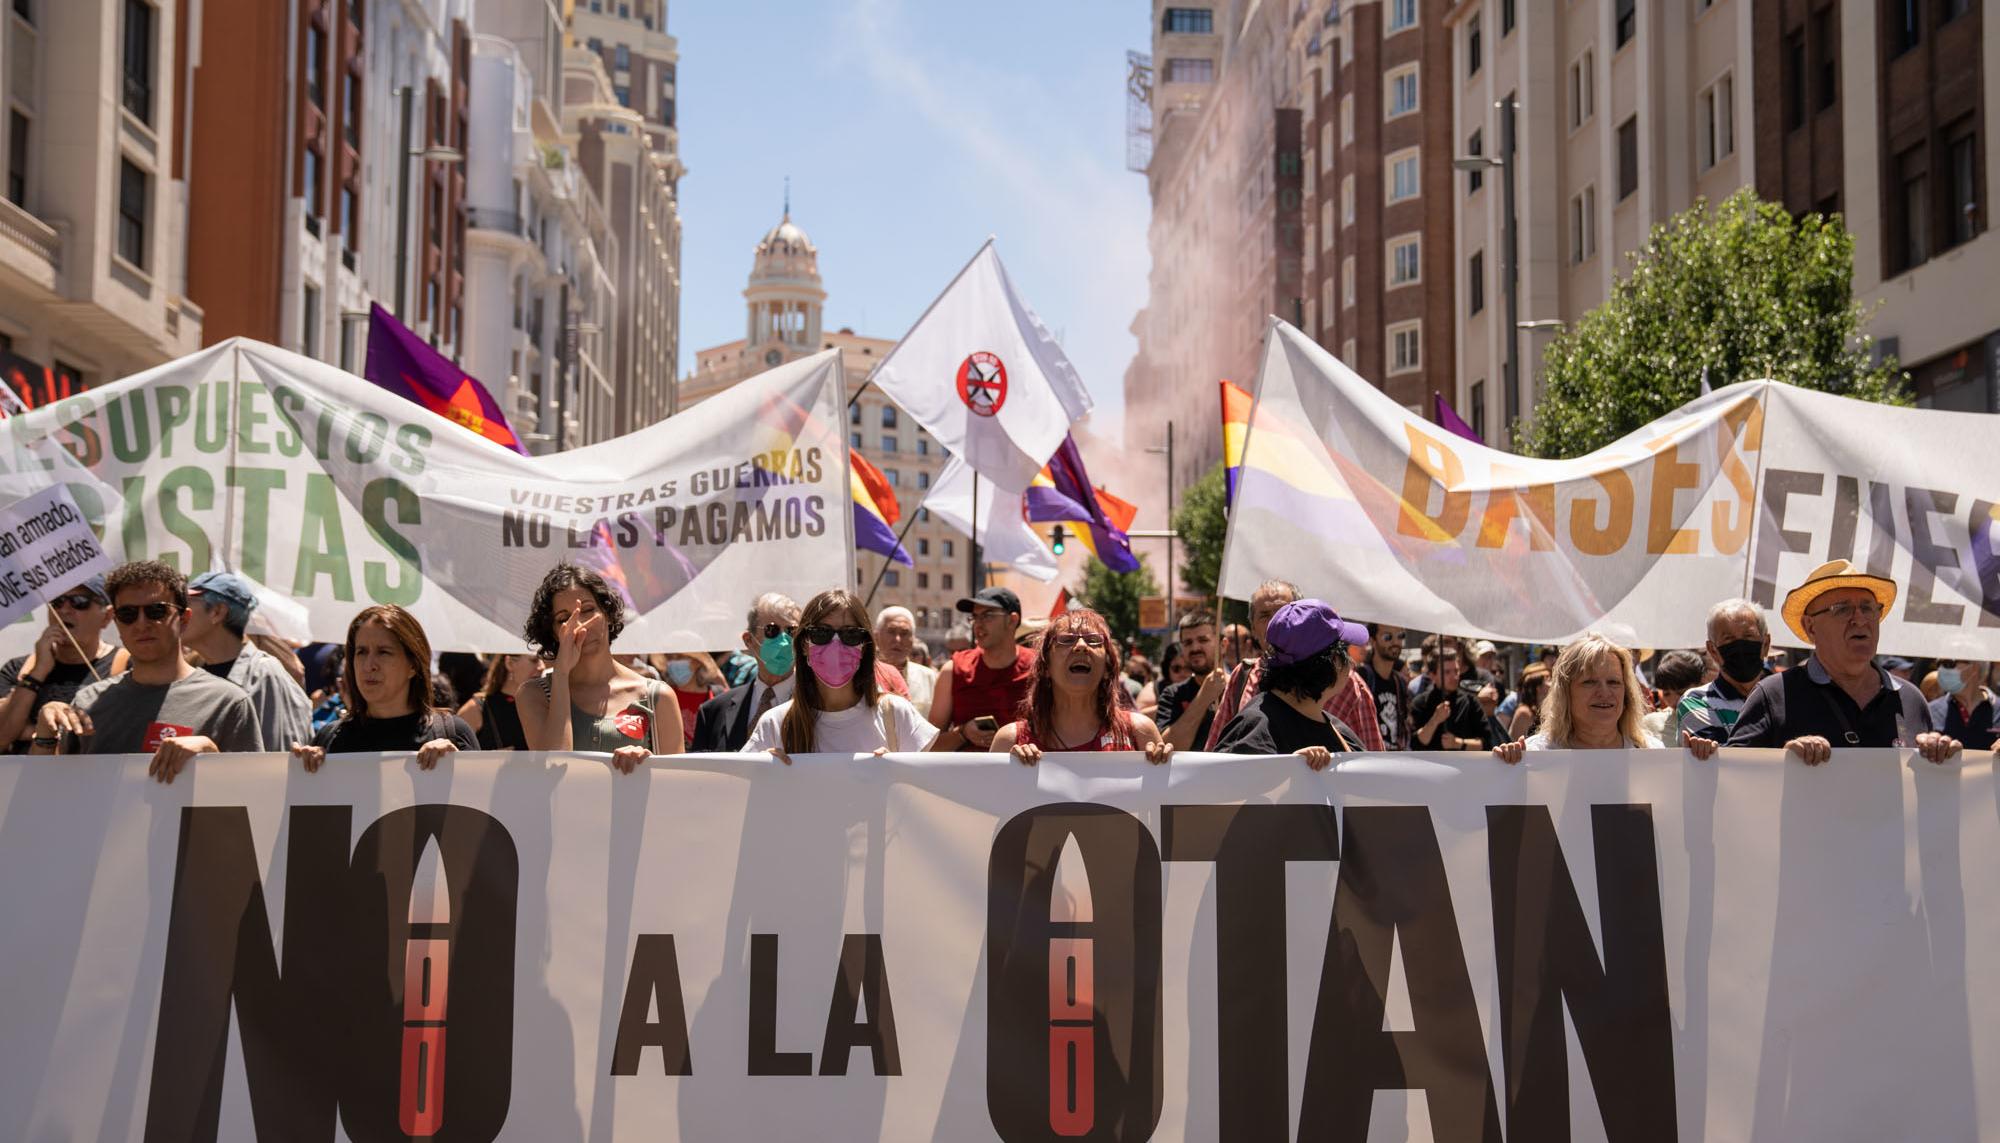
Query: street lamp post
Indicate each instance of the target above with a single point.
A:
(1510, 273)
(434, 154)
(1169, 451)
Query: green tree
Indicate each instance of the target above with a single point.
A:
(1116, 595)
(1202, 519)
(1739, 288)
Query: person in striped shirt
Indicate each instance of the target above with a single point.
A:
(1738, 642)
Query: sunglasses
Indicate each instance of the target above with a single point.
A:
(819, 635)
(154, 612)
(773, 630)
(1072, 638)
(78, 602)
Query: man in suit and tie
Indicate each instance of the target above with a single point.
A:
(723, 723)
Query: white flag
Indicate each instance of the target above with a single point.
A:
(982, 374)
(1001, 529)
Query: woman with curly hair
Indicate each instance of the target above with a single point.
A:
(1075, 700)
(386, 676)
(838, 705)
(1594, 703)
(610, 708)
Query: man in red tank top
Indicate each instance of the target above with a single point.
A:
(988, 679)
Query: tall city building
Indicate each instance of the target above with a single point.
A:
(93, 223)
(539, 253)
(629, 149)
(784, 303)
(327, 170)
(1226, 233)
(1879, 112)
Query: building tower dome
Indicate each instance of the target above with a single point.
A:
(784, 293)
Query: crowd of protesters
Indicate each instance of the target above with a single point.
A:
(188, 677)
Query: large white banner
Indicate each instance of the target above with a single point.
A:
(337, 494)
(1603, 946)
(1739, 493)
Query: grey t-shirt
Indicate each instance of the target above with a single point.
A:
(128, 717)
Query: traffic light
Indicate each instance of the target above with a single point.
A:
(1058, 539)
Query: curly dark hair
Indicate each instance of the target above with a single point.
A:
(1308, 678)
(540, 629)
(147, 571)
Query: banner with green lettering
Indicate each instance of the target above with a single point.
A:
(337, 494)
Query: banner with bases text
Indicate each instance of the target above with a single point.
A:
(1617, 945)
(1739, 493)
(337, 494)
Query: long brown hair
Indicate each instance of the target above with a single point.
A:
(1038, 710)
(409, 635)
(797, 733)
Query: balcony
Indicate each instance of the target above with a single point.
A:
(32, 247)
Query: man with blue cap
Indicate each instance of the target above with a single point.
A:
(219, 607)
(1305, 664)
(68, 654)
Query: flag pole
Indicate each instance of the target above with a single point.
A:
(972, 551)
(869, 600)
(889, 356)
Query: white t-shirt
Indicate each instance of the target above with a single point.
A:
(923, 685)
(856, 730)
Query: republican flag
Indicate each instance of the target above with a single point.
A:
(1449, 420)
(982, 374)
(399, 361)
(1236, 403)
(875, 511)
(1061, 604)
(1061, 493)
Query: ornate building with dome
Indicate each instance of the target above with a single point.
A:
(784, 301)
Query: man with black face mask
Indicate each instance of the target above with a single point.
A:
(1738, 642)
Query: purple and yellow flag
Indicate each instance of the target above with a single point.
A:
(1061, 493)
(1449, 420)
(1236, 404)
(399, 361)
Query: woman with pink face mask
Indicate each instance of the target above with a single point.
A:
(836, 705)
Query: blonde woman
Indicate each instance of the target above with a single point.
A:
(1594, 703)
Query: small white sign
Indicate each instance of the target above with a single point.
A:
(46, 548)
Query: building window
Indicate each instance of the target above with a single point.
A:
(1475, 178)
(1347, 281)
(1475, 282)
(1402, 96)
(1715, 123)
(924, 580)
(1402, 14)
(1346, 120)
(139, 59)
(1628, 158)
(1326, 224)
(1198, 70)
(351, 109)
(854, 440)
(1476, 399)
(1325, 147)
(315, 65)
(1472, 45)
(624, 95)
(1406, 352)
(893, 476)
(854, 413)
(1961, 163)
(1506, 18)
(923, 480)
(888, 443)
(923, 547)
(1627, 21)
(348, 223)
(950, 550)
(1403, 175)
(1347, 356)
(622, 57)
(1583, 225)
(1905, 25)
(1950, 10)
(1406, 263)
(132, 193)
(1347, 200)
(309, 321)
(25, 9)
(1794, 78)
(1193, 21)
(1827, 69)
(1582, 89)
(892, 578)
(17, 159)
(888, 416)
(923, 446)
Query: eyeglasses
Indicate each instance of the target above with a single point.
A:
(154, 612)
(819, 635)
(773, 630)
(1089, 639)
(78, 602)
(1866, 609)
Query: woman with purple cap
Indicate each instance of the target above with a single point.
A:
(1305, 664)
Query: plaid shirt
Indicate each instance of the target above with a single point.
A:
(1353, 704)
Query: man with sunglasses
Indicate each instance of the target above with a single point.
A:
(983, 689)
(55, 670)
(723, 723)
(1840, 697)
(1966, 710)
(160, 706)
(219, 607)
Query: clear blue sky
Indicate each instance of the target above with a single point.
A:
(912, 129)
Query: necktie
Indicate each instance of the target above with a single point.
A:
(764, 703)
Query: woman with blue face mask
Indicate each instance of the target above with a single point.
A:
(694, 679)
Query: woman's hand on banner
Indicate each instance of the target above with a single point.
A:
(1317, 757)
(778, 752)
(1158, 752)
(1811, 749)
(433, 752)
(1702, 748)
(312, 756)
(1026, 754)
(1511, 752)
(1937, 747)
(626, 759)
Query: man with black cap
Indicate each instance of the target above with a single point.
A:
(56, 669)
(1840, 697)
(983, 689)
(219, 607)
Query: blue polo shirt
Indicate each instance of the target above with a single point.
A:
(1977, 731)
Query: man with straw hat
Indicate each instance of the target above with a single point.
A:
(1840, 697)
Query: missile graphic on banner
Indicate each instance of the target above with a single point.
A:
(1072, 1002)
(426, 980)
